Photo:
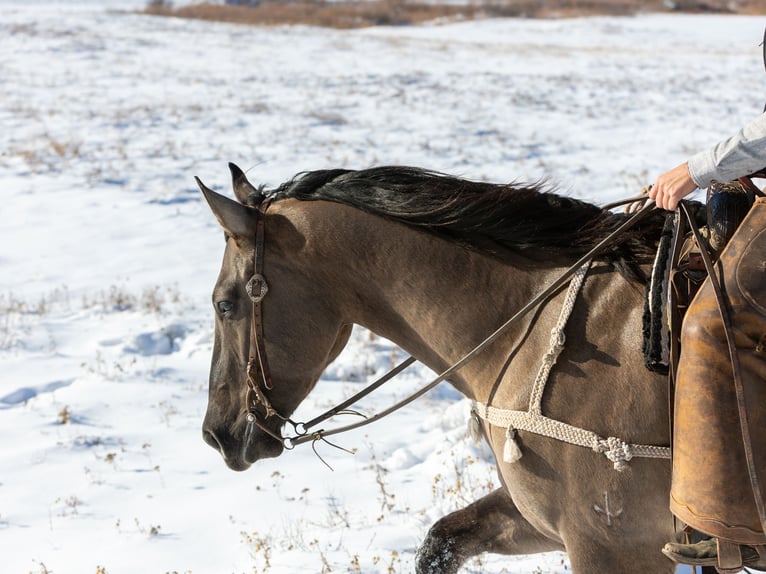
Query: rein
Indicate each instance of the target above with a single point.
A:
(256, 397)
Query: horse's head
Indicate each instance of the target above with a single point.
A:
(257, 380)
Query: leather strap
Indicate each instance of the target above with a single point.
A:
(257, 348)
(729, 557)
(258, 371)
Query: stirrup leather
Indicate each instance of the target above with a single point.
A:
(729, 557)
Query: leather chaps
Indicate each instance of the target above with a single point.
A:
(712, 490)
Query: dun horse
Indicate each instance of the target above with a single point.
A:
(435, 264)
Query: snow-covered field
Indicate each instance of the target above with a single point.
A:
(108, 256)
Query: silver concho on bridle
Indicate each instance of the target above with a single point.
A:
(257, 288)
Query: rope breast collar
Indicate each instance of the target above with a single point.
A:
(533, 420)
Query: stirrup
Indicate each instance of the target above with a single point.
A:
(726, 557)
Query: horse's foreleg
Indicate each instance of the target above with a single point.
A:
(491, 524)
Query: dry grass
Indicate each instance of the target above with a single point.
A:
(314, 13)
(366, 13)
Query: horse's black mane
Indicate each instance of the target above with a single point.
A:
(527, 219)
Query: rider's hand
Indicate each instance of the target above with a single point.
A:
(672, 186)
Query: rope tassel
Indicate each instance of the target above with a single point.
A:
(511, 450)
(474, 427)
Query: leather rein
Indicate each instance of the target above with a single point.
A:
(259, 380)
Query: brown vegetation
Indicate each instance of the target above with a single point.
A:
(350, 14)
(331, 14)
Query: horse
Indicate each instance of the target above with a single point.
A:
(434, 263)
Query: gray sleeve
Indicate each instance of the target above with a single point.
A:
(735, 157)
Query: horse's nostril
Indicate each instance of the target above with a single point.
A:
(210, 438)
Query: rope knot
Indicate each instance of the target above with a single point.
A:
(558, 340)
(615, 450)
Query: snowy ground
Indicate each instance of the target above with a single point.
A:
(108, 256)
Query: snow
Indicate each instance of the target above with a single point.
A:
(108, 256)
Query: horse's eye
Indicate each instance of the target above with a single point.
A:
(224, 307)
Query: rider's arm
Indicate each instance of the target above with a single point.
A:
(735, 157)
(738, 156)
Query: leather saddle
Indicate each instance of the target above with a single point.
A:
(719, 429)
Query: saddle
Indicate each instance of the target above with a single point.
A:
(719, 428)
(679, 271)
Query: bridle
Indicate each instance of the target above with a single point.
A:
(257, 363)
(259, 379)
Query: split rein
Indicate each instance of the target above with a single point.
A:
(259, 378)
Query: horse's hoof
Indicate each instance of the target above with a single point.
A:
(436, 556)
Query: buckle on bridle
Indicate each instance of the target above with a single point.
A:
(257, 288)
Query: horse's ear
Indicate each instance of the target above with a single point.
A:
(242, 188)
(235, 218)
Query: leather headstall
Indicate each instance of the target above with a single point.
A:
(258, 373)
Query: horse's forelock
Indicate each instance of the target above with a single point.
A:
(255, 198)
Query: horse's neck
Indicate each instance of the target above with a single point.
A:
(434, 298)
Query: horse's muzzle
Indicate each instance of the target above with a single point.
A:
(240, 454)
